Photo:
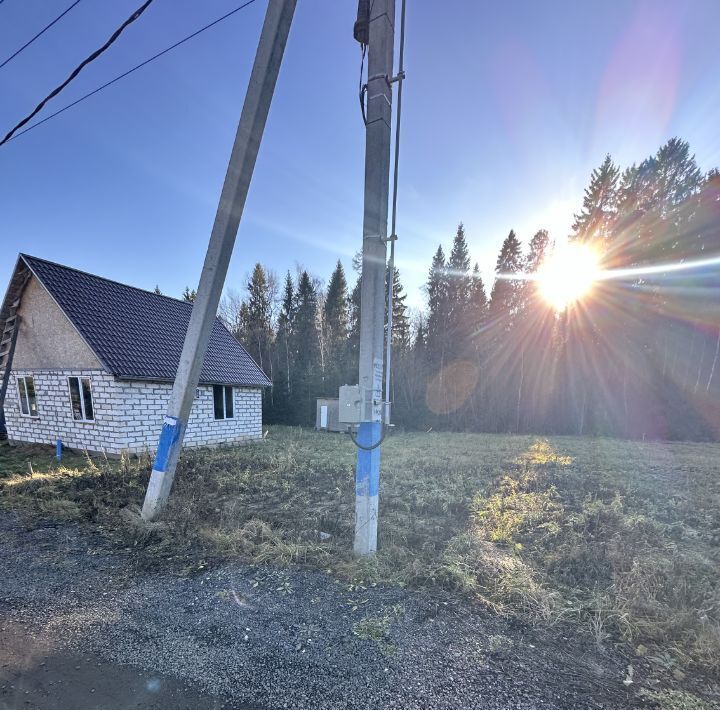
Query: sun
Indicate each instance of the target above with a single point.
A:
(568, 275)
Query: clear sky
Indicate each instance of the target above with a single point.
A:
(507, 108)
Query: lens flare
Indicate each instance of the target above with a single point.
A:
(568, 274)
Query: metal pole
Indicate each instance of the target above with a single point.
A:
(372, 295)
(263, 78)
(393, 219)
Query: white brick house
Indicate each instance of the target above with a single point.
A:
(93, 361)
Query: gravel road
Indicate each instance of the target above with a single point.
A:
(81, 627)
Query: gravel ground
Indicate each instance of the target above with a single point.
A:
(256, 637)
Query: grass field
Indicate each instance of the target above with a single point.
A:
(620, 538)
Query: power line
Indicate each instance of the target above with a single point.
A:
(78, 69)
(39, 34)
(135, 68)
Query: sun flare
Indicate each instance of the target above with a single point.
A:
(568, 274)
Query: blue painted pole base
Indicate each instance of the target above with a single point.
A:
(160, 482)
(367, 488)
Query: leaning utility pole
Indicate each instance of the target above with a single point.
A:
(381, 33)
(263, 78)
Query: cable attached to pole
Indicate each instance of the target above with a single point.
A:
(354, 440)
(393, 235)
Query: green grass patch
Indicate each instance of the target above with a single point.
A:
(618, 537)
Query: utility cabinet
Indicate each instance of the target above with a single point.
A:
(326, 416)
(351, 404)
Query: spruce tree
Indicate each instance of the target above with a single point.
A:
(306, 348)
(336, 306)
(257, 318)
(401, 321)
(476, 311)
(438, 309)
(335, 320)
(189, 294)
(459, 284)
(284, 356)
(599, 208)
(505, 291)
(353, 351)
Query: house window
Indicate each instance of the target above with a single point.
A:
(223, 398)
(26, 395)
(81, 401)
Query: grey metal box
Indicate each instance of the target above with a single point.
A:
(351, 401)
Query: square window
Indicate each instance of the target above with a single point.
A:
(81, 402)
(26, 396)
(223, 401)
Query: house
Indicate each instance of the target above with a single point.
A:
(92, 361)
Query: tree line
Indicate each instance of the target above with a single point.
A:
(637, 357)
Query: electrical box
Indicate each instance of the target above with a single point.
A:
(351, 404)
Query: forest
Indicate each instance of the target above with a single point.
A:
(636, 358)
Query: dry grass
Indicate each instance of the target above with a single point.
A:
(618, 537)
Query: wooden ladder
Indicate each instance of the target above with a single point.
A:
(7, 348)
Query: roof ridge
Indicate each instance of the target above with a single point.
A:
(103, 278)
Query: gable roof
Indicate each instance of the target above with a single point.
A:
(137, 334)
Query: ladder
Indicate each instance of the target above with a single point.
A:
(10, 323)
(7, 348)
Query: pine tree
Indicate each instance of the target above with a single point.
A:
(157, 290)
(189, 294)
(599, 208)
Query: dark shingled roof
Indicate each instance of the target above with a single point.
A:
(137, 334)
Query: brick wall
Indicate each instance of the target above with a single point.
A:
(128, 415)
(143, 406)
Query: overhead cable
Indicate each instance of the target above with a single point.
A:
(39, 34)
(134, 69)
(135, 15)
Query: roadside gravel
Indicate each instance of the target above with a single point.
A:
(262, 637)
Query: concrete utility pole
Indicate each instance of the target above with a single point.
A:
(372, 295)
(263, 78)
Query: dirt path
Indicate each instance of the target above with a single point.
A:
(76, 617)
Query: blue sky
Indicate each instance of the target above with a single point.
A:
(507, 108)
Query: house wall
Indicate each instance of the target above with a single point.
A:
(46, 338)
(55, 415)
(144, 404)
(128, 415)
